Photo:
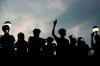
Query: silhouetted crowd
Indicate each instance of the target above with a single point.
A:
(37, 46)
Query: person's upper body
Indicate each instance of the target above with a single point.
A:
(7, 40)
(21, 44)
(49, 49)
(36, 42)
(62, 42)
(95, 45)
(82, 47)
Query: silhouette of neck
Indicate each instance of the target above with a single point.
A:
(6, 33)
(36, 36)
(62, 37)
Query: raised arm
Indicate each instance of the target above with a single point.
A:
(53, 31)
(92, 41)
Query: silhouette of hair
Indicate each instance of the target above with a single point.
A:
(80, 40)
(36, 30)
(7, 22)
(50, 40)
(62, 32)
(5, 27)
(20, 35)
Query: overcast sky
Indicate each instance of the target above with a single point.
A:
(76, 16)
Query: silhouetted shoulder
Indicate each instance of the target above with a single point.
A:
(67, 40)
(30, 38)
(87, 45)
(41, 38)
(12, 37)
(56, 38)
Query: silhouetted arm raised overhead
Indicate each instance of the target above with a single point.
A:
(92, 41)
(53, 31)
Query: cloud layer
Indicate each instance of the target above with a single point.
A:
(26, 15)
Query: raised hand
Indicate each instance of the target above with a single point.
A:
(53, 31)
(55, 22)
(92, 34)
(70, 36)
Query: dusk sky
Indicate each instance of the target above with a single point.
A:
(76, 16)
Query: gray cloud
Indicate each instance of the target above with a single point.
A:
(26, 15)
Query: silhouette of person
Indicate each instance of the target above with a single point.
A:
(21, 45)
(49, 48)
(73, 48)
(72, 40)
(35, 43)
(82, 47)
(96, 45)
(7, 41)
(62, 42)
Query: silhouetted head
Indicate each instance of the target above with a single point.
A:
(21, 36)
(50, 40)
(36, 32)
(72, 41)
(6, 29)
(80, 40)
(97, 38)
(62, 32)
